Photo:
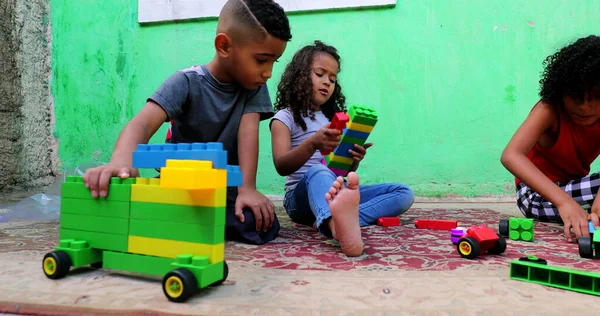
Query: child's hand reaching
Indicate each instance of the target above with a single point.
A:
(360, 151)
(574, 216)
(326, 139)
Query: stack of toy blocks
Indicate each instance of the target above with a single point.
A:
(152, 225)
(361, 124)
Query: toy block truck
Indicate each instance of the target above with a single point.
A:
(362, 120)
(480, 239)
(172, 226)
(517, 228)
(589, 247)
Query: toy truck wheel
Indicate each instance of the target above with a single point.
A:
(56, 264)
(534, 259)
(468, 248)
(225, 275)
(499, 247)
(585, 247)
(503, 227)
(179, 285)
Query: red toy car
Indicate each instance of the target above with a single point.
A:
(480, 239)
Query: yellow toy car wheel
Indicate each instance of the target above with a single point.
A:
(468, 247)
(179, 285)
(56, 264)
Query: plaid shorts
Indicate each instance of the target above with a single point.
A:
(533, 205)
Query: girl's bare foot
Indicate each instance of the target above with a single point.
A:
(343, 204)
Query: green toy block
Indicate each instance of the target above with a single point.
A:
(97, 240)
(80, 252)
(517, 228)
(109, 225)
(210, 235)
(118, 190)
(338, 165)
(532, 270)
(353, 140)
(206, 274)
(101, 207)
(202, 215)
(362, 114)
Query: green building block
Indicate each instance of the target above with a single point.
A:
(517, 228)
(118, 190)
(101, 241)
(109, 225)
(353, 140)
(337, 165)
(534, 270)
(80, 252)
(362, 114)
(210, 235)
(206, 274)
(202, 215)
(101, 207)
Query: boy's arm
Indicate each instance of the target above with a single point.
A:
(514, 158)
(248, 196)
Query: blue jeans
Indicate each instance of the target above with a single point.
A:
(306, 203)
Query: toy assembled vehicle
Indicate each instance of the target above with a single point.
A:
(589, 245)
(480, 239)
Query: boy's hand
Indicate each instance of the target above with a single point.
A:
(574, 216)
(595, 215)
(97, 179)
(261, 206)
(359, 153)
(326, 139)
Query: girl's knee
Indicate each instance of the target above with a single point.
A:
(319, 168)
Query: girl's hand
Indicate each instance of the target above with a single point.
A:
(360, 152)
(574, 216)
(326, 139)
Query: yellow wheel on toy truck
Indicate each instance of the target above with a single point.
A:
(56, 264)
(468, 247)
(179, 285)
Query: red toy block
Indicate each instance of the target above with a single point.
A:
(388, 221)
(339, 121)
(436, 224)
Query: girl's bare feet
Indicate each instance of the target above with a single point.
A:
(343, 204)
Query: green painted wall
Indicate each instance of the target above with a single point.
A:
(452, 80)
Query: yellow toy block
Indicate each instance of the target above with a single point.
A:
(192, 175)
(171, 248)
(149, 190)
(340, 159)
(359, 127)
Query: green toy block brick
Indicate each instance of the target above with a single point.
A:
(353, 140)
(206, 274)
(101, 207)
(521, 229)
(118, 190)
(201, 215)
(210, 235)
(338, 165)
(109, 225)
(137, 263)
(97, 240)
(80, 252)
(363, 115)
(559, 277)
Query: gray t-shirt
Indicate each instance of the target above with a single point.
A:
(205, 110)
(297, 136)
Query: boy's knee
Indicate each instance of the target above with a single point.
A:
(246, 232)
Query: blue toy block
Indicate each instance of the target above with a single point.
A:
(355, 134)
(234, 176)
(342, 150)
(155, 156)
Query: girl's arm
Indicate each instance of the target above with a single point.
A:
(514, 158)
(287, 160)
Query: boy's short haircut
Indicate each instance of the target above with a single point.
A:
(254, 19)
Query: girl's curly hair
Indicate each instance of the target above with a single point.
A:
(573, 71)
(295, 88)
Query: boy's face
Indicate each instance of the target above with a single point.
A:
(585, 112)
(252, 61)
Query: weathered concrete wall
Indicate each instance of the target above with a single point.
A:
(27, 147)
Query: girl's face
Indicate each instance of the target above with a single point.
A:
(585, 112)
(324, 76)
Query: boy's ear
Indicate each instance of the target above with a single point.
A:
(223, 45)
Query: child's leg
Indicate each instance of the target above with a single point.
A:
(535, 206)
(383, 200)
(296, 204)
(246, 232)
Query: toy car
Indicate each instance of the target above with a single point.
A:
(589, 245)
(480, 239)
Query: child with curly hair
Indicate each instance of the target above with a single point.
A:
(551, 152)
(308, 97)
